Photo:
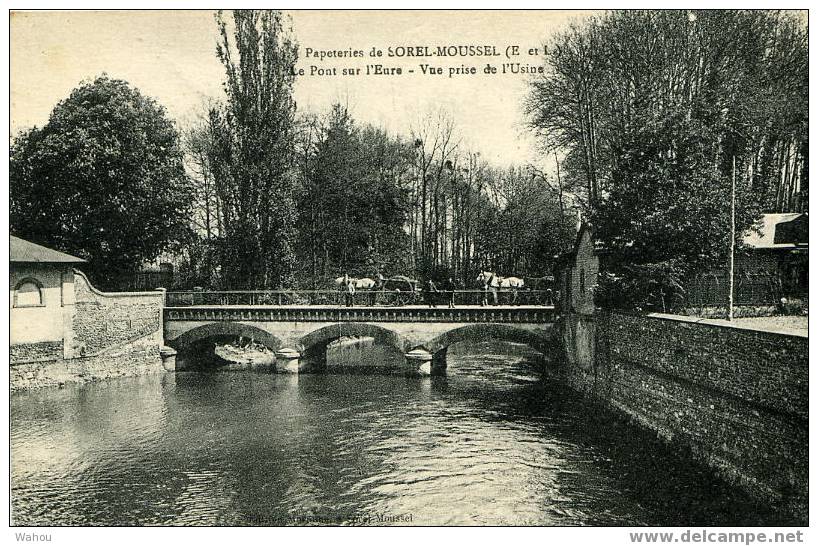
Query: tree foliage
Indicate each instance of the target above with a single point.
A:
(354, 201)
(286, 200)
(649, 108)
(523, 228)
(250, 157)
(371, 203)
(103, 179)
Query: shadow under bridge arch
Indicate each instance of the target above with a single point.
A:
(313, 346)
(197, 344)
(540, 338)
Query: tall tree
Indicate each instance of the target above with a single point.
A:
(200, 265)
(102, 179)
(649, 108)
(436, 141)
(354, 199)
(253, 149)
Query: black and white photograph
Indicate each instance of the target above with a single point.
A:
(399, 268)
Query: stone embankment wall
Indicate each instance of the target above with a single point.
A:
(35, 352)
(737, 399)
(107, 335)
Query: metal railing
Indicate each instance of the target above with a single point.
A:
(361, 298)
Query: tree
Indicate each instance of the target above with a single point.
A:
(524, 226)
(649, 108)
(353, 199)
(436, 141)
(252, 150)
(200, 261)
(103, 179)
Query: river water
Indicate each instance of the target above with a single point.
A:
(492, 443)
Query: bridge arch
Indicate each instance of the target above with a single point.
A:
(202, 333)
(316, 341)
(540, 339)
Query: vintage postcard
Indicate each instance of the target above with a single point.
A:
(410, 268)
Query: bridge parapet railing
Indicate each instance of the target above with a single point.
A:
(361, 298)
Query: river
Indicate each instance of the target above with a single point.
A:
(492, 443)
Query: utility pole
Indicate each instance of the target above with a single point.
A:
(559, 185)
(732, 240)
(559, 194)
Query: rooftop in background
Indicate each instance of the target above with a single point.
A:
(22, 251)
(780, 230)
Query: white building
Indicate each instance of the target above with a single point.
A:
(41, 286)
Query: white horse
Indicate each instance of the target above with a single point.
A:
(511, 282)
(494, 281)
(359, 284)
(364, 284)
(487, 278)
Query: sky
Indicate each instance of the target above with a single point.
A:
(170, 56)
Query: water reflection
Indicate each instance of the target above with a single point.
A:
(490, 443)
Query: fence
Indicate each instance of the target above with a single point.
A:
(360, 298)
(749, 289)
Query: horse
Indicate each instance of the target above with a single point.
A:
(512, 282)
(364, 283)
(495, 281)
(487, 278)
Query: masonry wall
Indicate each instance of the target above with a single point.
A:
(736, 398)
(103, 321)
(140, 357)
(103, 336)
(578, 284)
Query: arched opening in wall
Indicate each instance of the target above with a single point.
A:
(28, 293)
(492, 352)
(582, 281)
(494, 360)
(362, 355)
(354, 348)
(225, 346)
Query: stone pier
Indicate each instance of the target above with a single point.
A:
(419, 361)
(288, 361)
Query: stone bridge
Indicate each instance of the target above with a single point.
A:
(300, 335)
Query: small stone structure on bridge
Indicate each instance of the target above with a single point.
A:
(300, 335)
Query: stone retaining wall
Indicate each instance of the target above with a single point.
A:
(737, 398)
(137, 358)
(106, 320)
(35, 352)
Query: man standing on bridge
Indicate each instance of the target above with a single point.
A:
(350, 293)
(431, 293)
(449, 288)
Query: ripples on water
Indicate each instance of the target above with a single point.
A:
(491, 443)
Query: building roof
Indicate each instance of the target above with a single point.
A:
(779, 230)
(22, 251)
